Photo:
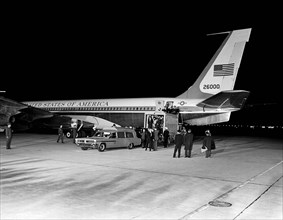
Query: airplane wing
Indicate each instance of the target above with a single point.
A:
(11, 110)
(10, 107)
(27, 116)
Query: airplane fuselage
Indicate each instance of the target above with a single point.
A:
(127, 111)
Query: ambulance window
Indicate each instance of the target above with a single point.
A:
(106, 134)
(99, 134)
(121, 134)
(113, 135)
(129, 135)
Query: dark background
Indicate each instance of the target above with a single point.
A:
(91, 52)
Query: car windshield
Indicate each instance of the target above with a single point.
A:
(105, 134)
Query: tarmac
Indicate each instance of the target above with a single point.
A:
(42, 179)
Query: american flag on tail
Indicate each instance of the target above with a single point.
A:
(223, 69)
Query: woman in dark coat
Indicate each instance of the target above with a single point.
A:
(209, 143)
(188, 141)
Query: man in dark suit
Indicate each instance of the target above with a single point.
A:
(60, 134)
(74, 130)
(179, 140)
(8, 132)
(155, 138)
(147, 139)
(188, 139)
(165, 137)
(209, 143)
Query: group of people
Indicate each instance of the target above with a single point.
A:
(61, 134)
(186, 138)
(149, 138)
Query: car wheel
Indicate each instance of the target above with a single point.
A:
(102, 147)
(84, 148)
(68, 134)
(131, 145)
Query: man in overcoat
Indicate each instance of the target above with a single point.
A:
(209, 143)
(143, 138)
(60, 134)
(147, 139)
(155, 139)
(188, 141)
(8, 133)
(165, 137)
(179, 140)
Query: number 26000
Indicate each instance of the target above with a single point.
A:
(211, 86)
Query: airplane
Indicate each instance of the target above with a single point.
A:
(210, 100)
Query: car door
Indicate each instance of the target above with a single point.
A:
(121, 140)
(112, 140)
(130, 138)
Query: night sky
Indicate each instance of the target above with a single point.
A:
(59, 55)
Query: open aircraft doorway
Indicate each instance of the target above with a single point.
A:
(155, 121)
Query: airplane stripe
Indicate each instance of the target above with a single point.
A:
(103, 109)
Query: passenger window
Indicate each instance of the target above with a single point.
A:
(107, 134)
(99, 134)
(129, 135)
(112, 135)
(121, 135)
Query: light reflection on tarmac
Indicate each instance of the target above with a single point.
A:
(41, 179)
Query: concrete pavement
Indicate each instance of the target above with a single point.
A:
(41, 179)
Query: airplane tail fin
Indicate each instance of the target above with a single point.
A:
(221, 71)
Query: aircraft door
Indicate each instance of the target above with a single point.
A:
(154, 121)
